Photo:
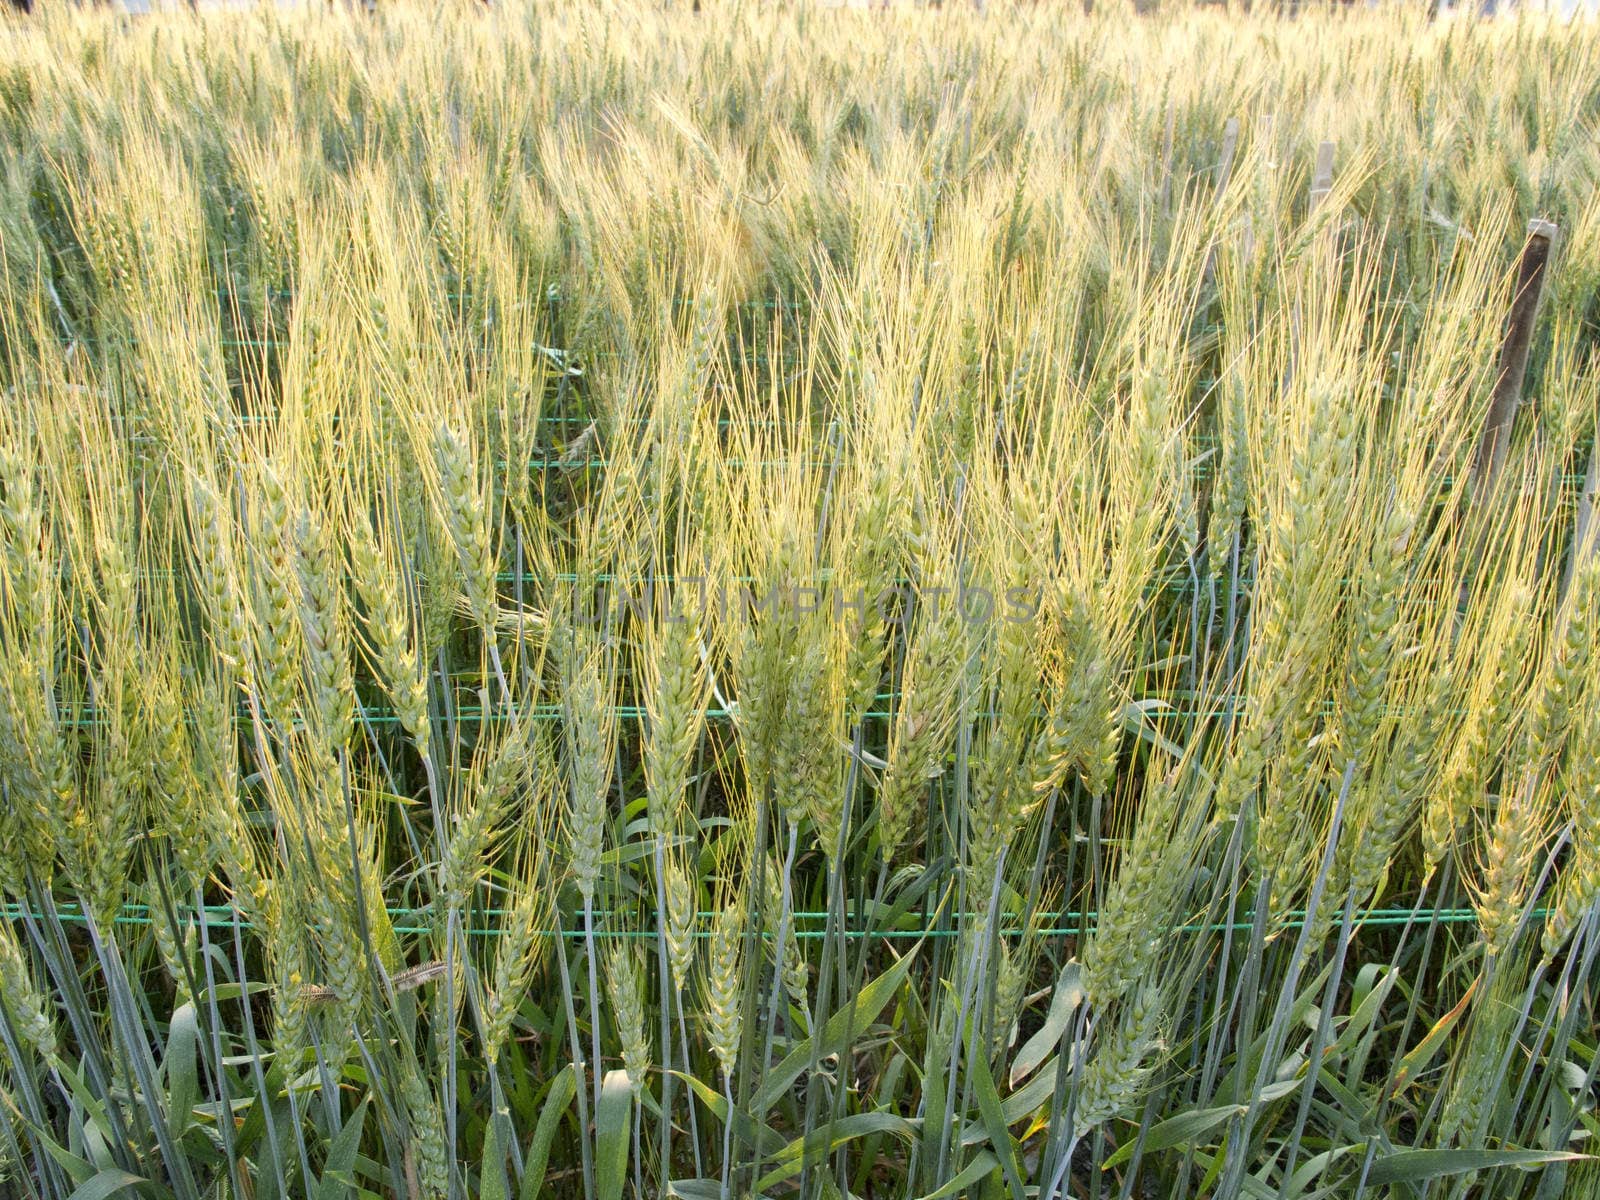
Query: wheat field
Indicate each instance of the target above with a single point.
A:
(605, 599)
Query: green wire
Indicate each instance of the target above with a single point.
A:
(137, 914)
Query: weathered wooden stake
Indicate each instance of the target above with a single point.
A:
(1166, 160)
(1230, 143)
(1322, 174)
(1583, 532)
(1507, 395)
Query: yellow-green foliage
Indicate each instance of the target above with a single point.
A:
(891, 580)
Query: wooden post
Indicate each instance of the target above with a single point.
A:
(1583, 534)
(1230, 143)
(1507, 395)
(1322, 174)
(1166, 159)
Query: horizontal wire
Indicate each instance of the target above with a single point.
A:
(119, 339)
(1086, 922)
(1229, 705)
(677, 301)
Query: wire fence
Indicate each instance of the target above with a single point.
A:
(1064, 923)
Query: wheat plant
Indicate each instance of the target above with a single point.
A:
(761, 600)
